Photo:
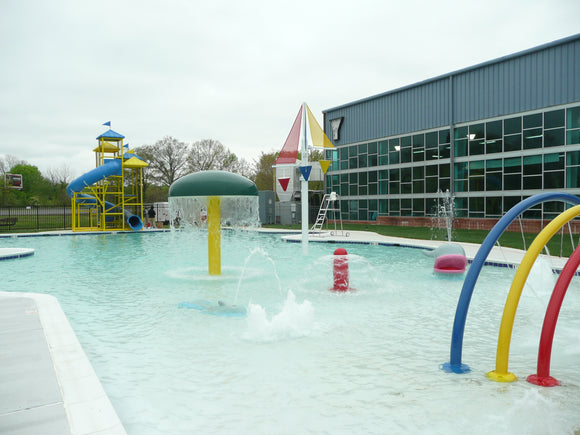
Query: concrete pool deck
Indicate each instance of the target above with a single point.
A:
(50, 387)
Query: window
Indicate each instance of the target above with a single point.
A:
(431, 146)
(372, 179)
(460, 141)
(362, 183)
(362, 159)
(533, 138)
(531, 121)
(406, 180)
(573, 169)
(383, 147)
(512, 177)
(512, 125)
(372, 154)
(383, 152)
(532, 172)
(554, 171)
(533, 165)
(444, 147)
(394, 147)
(406, 207)
(431, 184)
(476, 206)
(513, 142)
(510, 201)
(554, 119)
(554, 162)
(461, 205)
(476, 176)
(554, 137)
(476, 139)
(493, 174)
(394, 207)
(394, 185)
(444, 177)
(573, 118)
(493, 135)
(418, 148)
(493, 206)
(353, 210)
(343, 153)
(461, 174)
(418, 207)
(353, 184)
(352, 163)
(406, 150)
(573, 125)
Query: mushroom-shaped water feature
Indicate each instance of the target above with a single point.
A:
(213, 198)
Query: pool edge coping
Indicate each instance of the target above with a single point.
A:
(87, 406)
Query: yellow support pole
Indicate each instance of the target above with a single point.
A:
(214, 235)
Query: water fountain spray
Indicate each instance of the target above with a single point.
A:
(213, 198)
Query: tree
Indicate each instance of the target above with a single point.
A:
(264, 172)
(35, 188)
(7, 162)
(210, 154)
(59, 178)
(167, 161)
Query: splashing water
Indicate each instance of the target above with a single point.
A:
(294, 321)
(265, 255)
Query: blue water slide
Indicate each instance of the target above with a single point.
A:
(455, 365)
(110, 167)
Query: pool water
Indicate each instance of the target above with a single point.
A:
(304, 359)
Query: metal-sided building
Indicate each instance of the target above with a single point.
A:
(492, 135)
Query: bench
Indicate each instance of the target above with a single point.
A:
(8, 222)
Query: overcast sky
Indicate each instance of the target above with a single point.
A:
(234, 71)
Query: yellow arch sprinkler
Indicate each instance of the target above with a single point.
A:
(213, 198)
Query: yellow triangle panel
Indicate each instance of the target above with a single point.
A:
(134, 162)
(319, 139)
(106, 147)
(324, 164)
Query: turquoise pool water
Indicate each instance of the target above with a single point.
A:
(304, 360)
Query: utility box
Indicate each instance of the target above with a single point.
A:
(287, 213)
(266, 205)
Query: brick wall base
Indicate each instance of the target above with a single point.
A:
(529, 225)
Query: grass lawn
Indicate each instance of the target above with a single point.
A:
(558, 245)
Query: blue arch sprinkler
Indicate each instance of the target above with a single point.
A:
(455, 363)
(212, 198)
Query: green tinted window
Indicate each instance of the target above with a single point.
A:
(573, 118)
(554, 119)
(512, 125)
(554, 138)
(531, 121)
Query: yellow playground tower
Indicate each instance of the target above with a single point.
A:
(109, 197)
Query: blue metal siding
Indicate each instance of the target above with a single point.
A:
(396, 113)
(546, 76)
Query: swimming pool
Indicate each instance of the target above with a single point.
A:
(304, 360)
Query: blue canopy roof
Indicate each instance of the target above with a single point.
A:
(110, 134)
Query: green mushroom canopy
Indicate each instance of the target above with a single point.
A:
(213, 183)
(188, 198)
